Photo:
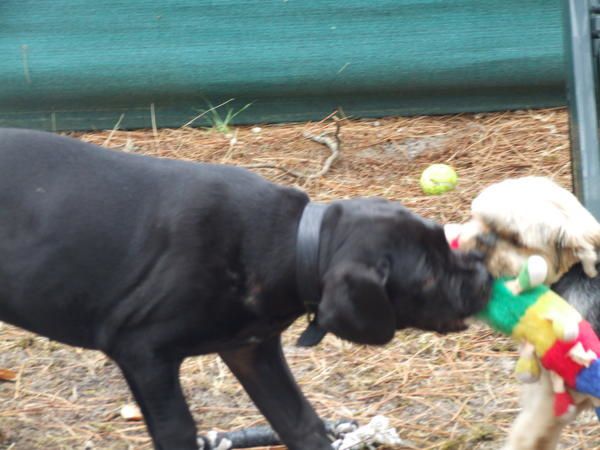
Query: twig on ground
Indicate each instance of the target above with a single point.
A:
(333, 143)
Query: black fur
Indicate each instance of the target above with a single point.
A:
(582, 292)
(153, 260)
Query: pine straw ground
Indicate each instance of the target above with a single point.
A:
(453, 392)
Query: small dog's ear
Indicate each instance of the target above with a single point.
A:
(355, 306)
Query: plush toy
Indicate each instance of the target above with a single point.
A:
(550, 331)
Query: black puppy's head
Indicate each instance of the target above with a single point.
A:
(384, 268)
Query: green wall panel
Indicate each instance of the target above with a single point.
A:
(75, 64)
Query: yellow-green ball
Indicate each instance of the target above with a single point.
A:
(438, 178)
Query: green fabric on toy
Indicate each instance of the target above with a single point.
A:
(503, 313)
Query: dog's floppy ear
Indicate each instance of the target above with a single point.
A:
(354, 304)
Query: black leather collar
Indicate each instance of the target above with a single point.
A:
(307, 269)
(307, 255)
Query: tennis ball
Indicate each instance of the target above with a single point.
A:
(438, 178)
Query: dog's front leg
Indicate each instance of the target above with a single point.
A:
(536, 427)
(155, 386)
(264, 373)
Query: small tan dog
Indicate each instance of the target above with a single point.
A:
(518, 217)
(512, 220)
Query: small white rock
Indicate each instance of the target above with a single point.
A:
(256, 130)
(132, 412)
(225, 444)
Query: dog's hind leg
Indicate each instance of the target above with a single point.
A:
(536, 427)
(155, 386)
(262, 370)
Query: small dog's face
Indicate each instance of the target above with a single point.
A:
(516, 218)
(386, 268)
(503, 253)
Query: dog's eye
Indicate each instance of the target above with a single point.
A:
(487, 240)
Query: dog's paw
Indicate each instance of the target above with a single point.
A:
(589, 267)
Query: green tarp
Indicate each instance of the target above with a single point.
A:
(80, 64)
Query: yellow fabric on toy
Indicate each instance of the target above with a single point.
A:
(527, 370)
(536, 327)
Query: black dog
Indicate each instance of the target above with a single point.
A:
(153, 260)
(582, 292)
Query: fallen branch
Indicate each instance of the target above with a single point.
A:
(262, 436)
(332, 142)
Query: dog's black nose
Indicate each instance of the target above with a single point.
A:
(475, 257)
(476, 290)
(479, 256)
(486, 286)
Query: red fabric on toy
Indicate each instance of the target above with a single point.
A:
(562, 402)
(557, 358)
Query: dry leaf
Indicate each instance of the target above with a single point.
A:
(7, 375)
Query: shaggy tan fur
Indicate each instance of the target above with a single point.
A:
(510, 221)
(532, 215)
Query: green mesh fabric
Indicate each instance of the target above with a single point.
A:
(504, 310)
(67, 65)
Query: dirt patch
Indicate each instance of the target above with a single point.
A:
(446, 393)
